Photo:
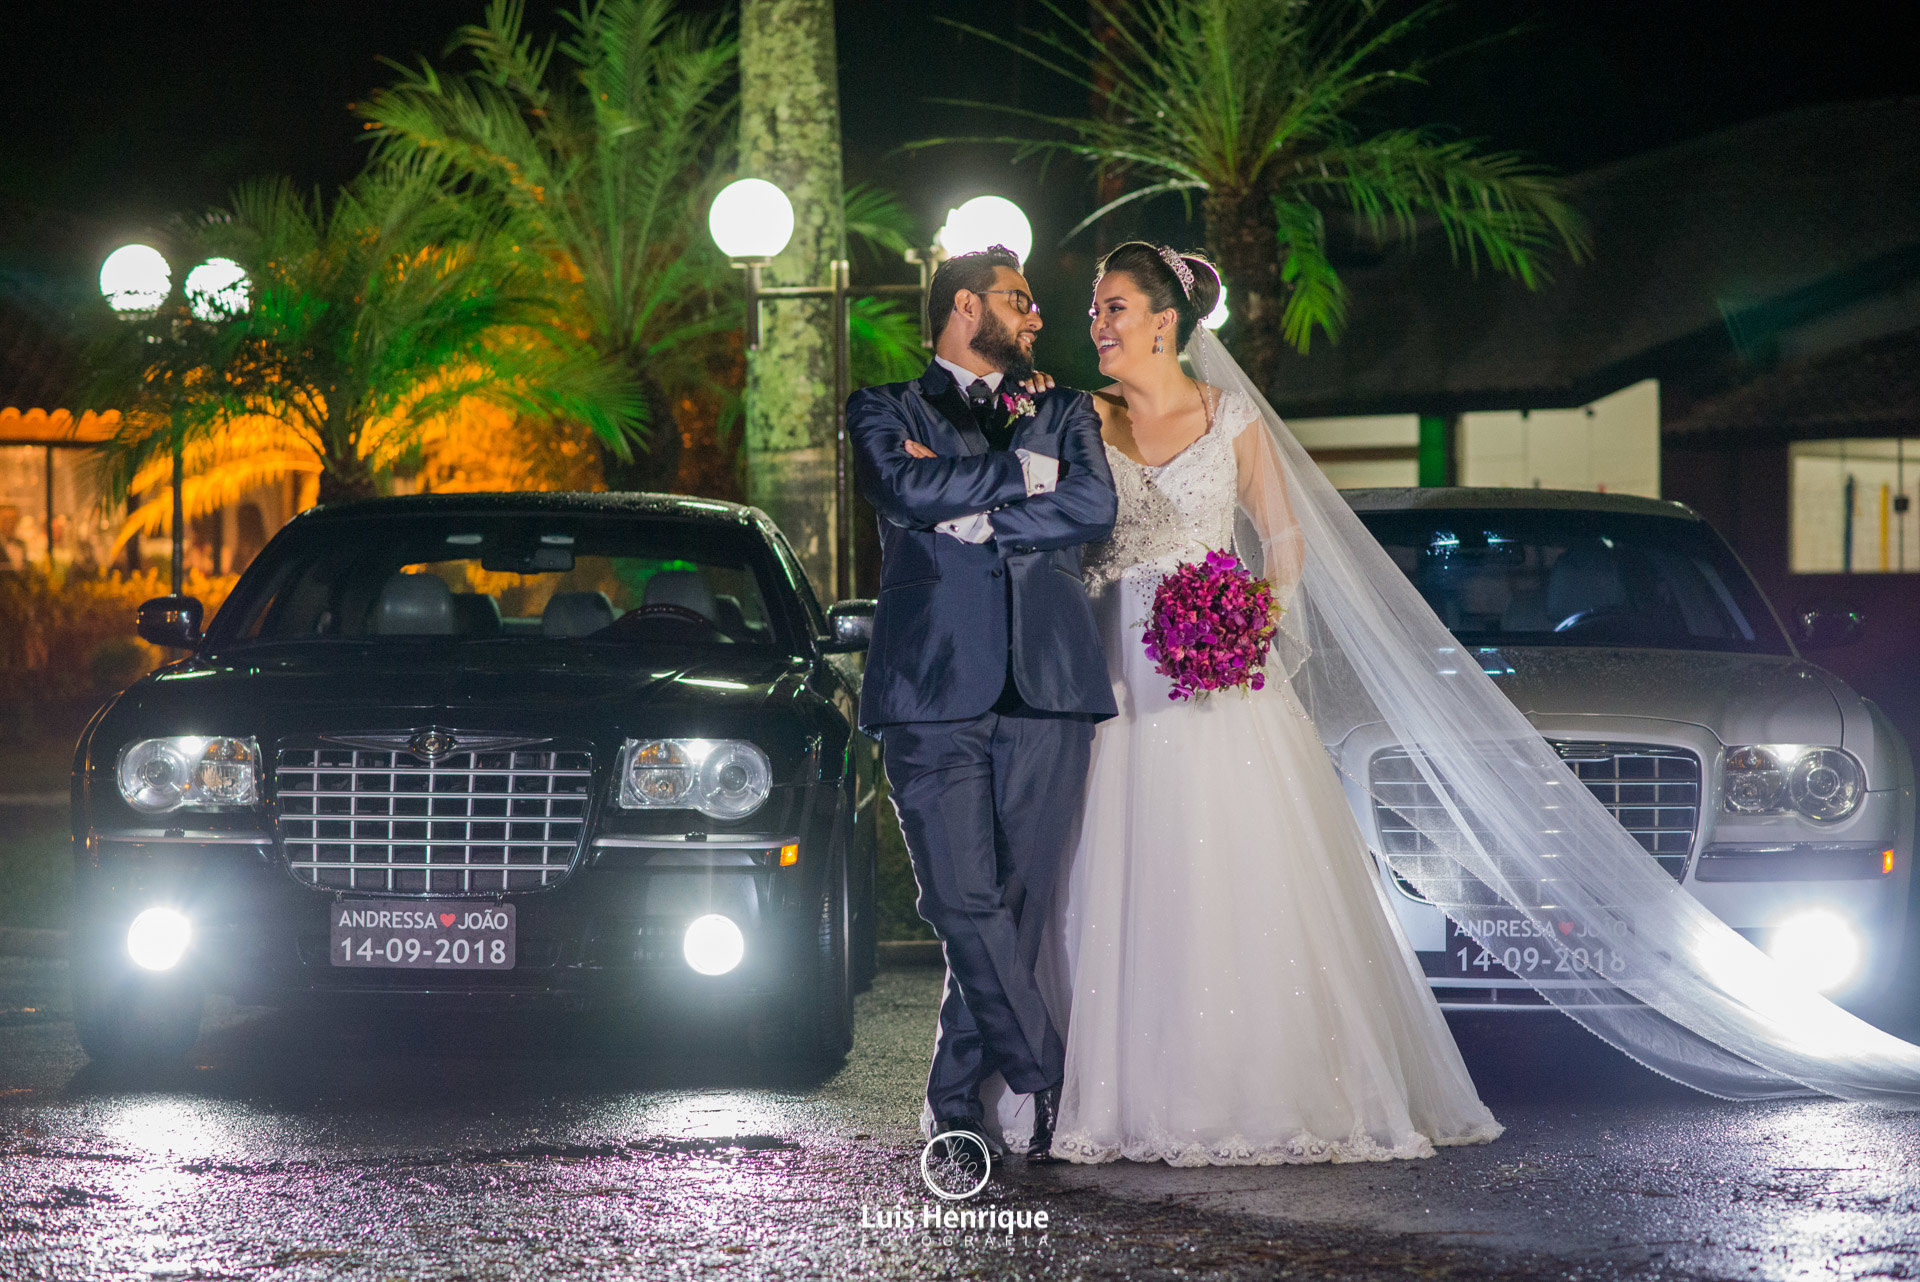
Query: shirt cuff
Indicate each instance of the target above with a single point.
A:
(968, 529)
(1041, 473)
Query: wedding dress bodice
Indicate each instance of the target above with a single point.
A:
(1175, 512)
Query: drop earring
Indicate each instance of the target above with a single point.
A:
(1159, 344)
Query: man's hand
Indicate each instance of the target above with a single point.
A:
(916, 450)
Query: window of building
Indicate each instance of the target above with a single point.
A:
(1853, 506)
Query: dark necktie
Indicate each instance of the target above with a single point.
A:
(989, 414)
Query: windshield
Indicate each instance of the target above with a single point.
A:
(1579, 578)
(513, 577)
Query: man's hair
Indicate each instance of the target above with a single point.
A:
(972, 272)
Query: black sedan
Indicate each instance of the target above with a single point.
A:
(591, 751)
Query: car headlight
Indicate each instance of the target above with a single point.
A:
(1773, 778)
(190, 772)
(723, 778)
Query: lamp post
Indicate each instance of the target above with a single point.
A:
(137, 281)
(751, 221)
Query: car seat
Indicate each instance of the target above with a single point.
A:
(576, 614)
(687, 589)
(418, 605)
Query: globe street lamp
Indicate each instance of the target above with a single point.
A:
(985, 221)
(751, 221)
(137, 281)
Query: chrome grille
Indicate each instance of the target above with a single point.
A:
(1652, 789)
(356, 817)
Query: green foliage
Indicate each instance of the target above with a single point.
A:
(885, 336)
(1256, 105)
(885, 340)
(603, 149)
(68, 636)
(372, 318)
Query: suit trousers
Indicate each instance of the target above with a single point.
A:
(989, 807)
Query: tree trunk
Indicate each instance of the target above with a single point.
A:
(1243, 237)
(340, 482)
(790, 135)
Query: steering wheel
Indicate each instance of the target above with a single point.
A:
(669, 617)
(1592, 620)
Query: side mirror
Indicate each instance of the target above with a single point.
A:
(851, 623)
(1827, 627)
(170, 621)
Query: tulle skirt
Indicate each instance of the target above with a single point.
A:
(1234, 987)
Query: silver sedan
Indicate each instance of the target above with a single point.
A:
(1638, 645)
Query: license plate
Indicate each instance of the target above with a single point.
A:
(406, 934)
(1523, 952)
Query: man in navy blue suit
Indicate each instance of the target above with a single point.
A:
(985, 675)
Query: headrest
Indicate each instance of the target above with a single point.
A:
(476, 614)
(414, 605)
(1586, 577)
(686, 588)
(575, 614)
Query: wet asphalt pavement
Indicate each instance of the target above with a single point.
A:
(289, 1148)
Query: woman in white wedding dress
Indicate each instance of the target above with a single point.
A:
(1238, 991)
(1233, 986)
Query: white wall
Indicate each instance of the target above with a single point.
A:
(1324, 437)
(1884, 538)
(1611, 445)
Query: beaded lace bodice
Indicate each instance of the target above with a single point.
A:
(1177, 511)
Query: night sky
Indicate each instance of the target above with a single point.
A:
(116, 114)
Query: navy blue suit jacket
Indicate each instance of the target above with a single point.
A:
(947, 619)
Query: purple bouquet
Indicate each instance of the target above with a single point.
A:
(1212, 625)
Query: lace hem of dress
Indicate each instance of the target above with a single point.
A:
(1302, 1149)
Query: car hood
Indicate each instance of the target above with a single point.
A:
(1740, 698)
(340, 688)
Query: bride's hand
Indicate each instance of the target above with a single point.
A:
(916, 450)
(1039, 382)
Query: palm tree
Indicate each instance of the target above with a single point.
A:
(1253, 107)
(605, 156)
(373, 321)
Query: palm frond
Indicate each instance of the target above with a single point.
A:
(876, 219)
(885, 341)
(1491, 206)
(1317, 297)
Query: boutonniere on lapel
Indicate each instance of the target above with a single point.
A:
(1020, 406)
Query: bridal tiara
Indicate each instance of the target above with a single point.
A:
(1180, 269)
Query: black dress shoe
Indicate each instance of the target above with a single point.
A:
(967, 1145)
(1046, 1111)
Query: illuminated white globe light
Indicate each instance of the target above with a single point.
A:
(158, 938)
(1818, 946)
(218, 289)
(984, 221)
(751, 219)
(135, 278)
(714, 945)
(1218, 316)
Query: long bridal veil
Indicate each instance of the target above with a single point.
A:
(1513, 844)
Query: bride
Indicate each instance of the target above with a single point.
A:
(1234, 987)
(1239, 992)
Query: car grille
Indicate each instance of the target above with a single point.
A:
(356, 816)
(1652, 789)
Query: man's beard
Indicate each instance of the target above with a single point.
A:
(994, 343)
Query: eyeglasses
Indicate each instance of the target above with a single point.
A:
(1022, 301)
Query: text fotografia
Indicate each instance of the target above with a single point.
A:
(976, 1219)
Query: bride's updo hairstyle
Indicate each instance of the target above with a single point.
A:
(1150, 270)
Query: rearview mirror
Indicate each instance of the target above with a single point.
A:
(851, 624)
(1828, 627)
(170, 621)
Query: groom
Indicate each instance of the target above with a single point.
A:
(985, 675)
